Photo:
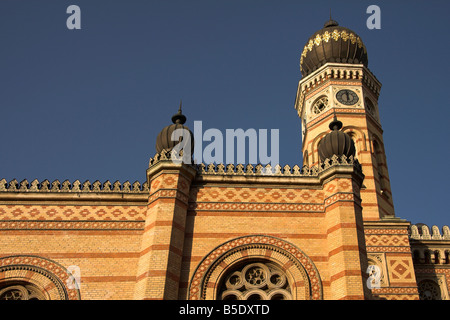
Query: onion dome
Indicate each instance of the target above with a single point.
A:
(336, 142)
(164, 139)
(332, 44)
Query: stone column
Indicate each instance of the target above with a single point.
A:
(159, 266)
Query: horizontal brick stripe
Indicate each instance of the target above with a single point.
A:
(398, 254)
(288, 214)
(157, 273)
(69, 232)
(343, 248)
(166, 247)
(71, 255)
(164, 223)
(316, 122)
(167, 200)
(402, 284)
(108, 279)
(235, 235)
(195, 259)
(348, 225)
(319, 258)
(341, 203)
(346, 273)
(352, 297)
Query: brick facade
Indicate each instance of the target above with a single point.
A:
(327, 230)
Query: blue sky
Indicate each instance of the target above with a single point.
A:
(88, 104)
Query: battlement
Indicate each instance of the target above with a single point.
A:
(259, 169)
(68, 187)
(421, 231)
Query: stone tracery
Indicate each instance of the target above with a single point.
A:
(256, 281)
(21, 291)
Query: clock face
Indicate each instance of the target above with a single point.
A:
(347, 97)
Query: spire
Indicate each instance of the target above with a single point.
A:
(179, 117)
(331, 22)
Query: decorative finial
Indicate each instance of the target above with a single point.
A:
(335, 125)
(179, 118)
(331, 22)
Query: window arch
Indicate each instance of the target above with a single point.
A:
(35, 277)
(353, 136)
(370, 107)
(207, 282)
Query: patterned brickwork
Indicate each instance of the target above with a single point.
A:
(71, 212)
(389, 240)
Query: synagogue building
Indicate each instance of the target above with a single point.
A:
(322, 230)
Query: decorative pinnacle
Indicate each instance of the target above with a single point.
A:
(335, 125)
(179, 118)
(331, 22)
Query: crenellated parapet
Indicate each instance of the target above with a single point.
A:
(260, 170)
(74, 187)
(423, 232)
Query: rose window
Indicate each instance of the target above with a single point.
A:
(429, 290)
(255, 281)
(21, 292)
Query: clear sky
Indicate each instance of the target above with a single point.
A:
(88, 104)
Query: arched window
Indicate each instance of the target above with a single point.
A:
(255, 280)
(447, 257)
(320, 105)
(352, 135)
(370, 107)
(437, 257)
(20, 291)
(427, 255)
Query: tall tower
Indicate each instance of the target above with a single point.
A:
(336, 81)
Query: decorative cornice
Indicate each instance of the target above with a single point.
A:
(75, 187)
(357, 73)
